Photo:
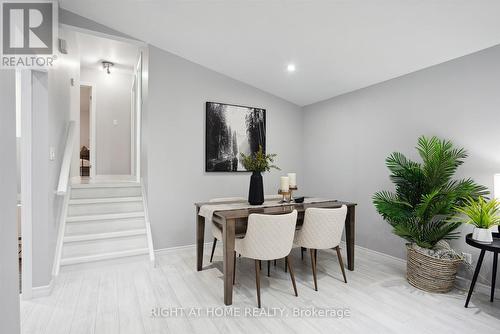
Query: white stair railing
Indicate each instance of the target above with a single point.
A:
(62, 186)
(62, 190)
(149, 234)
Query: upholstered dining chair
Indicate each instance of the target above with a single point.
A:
(268, 237)
(322, 229)
(216, 228)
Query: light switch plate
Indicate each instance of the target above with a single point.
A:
(115, 122)
(52, 153)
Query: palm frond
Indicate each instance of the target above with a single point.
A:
(426, 195)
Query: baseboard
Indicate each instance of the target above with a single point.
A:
(461, 283)
(167, 250)
(464, 284)
(343, 244)
(43, 291)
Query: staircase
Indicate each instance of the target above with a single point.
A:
(104, 221)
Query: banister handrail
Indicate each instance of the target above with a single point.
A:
(62, 186)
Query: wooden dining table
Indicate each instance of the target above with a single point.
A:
(228, 218)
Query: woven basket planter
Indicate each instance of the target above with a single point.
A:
(430, 274)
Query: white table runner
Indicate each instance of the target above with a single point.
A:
(207, 210)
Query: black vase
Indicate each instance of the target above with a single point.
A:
(256, 191)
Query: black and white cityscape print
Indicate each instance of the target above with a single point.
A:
(231, 130)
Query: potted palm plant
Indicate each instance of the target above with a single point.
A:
(483, 215)
(421, 208)
(257, 163)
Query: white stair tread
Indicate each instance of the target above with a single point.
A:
(105, 200)
(108, 235)
(107, 216)
(106, 185)
(104, 256)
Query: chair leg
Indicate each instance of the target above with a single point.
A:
(339, 255)
(268, 268)
(257, 280)
(313, 265)
(316, 257)
(292, 276)
(302, 250)
(275, 263)
(234, 268)
(213, 249)
(286, 263)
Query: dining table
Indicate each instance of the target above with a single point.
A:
(228, 215)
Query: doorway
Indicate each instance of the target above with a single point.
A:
(109, 123)
(87, 163)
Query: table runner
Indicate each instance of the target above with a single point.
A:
(207, 210)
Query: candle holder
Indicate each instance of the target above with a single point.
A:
(287, 195)
(291, 190)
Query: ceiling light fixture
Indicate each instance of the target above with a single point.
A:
(290, 68)
(107, 65)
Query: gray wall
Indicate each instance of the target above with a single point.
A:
(85, 116)
(9, 286)
(348, 137)
(113, 102)
(175, 135)
(51, 115)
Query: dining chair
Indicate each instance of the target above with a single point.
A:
(268, 237)
(322, 229)
(216, 228)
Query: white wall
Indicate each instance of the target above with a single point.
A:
(84, 116)
(347, 138)
(113, 102)
(9, 281)
(175, 140)
(51, 115)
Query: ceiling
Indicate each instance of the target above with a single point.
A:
(93, 50)
(337, 46)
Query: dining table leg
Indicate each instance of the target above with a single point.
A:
(200, 240)
(228, 235)
(349, 236)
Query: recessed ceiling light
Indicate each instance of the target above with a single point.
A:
(290, 68)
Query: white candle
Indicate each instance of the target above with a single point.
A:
(292, 177)
(285, 183)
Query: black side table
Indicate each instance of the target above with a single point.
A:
(492, 247)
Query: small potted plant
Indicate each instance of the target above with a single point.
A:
(483, 215)
(257, 163)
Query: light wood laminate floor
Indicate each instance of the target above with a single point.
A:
(119, 297)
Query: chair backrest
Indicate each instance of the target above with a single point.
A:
(322, 228)
(269, 237)
(227, 199)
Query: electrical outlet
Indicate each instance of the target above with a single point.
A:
(52, 153)
(467, 257)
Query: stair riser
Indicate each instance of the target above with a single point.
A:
(104, 208)
(104, 260)
(105, 192)
(103, 226)
(96, 247)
